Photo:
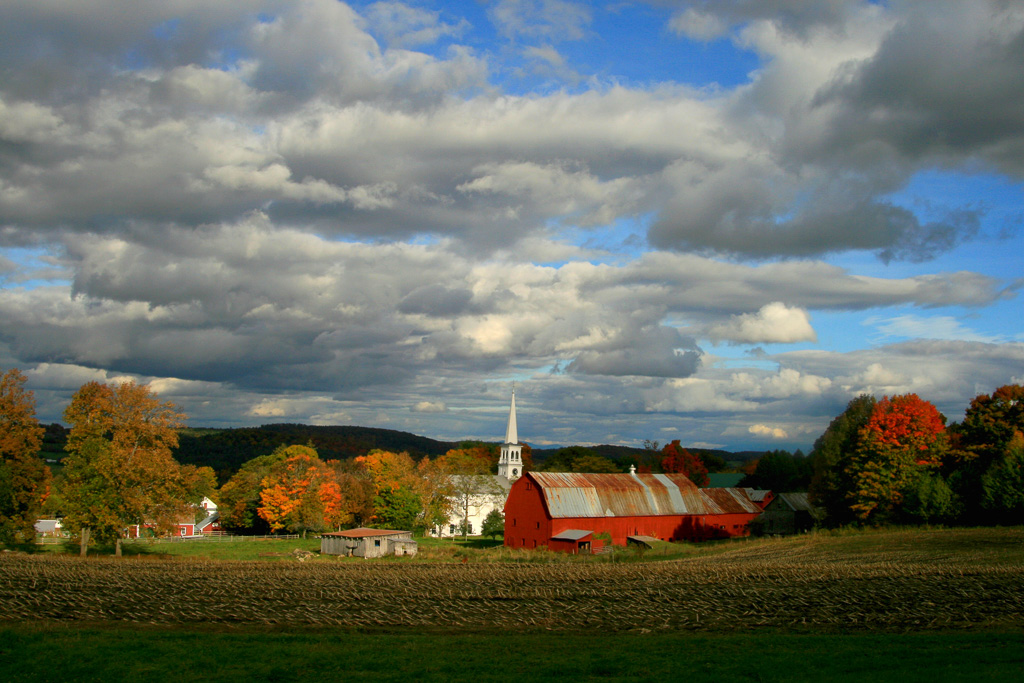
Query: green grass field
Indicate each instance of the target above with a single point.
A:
(883, 605)
(48, 652)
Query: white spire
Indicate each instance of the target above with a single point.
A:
(512, 431)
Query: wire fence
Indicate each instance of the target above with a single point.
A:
(218, 538)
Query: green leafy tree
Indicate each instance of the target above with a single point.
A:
(24, 479)
(397, 508)
(780, 471)
(119, 470)
(494, 524)
(562, 459)
(928, 499)
(594, 464)
(832, 452)
(1003, 484)
(980, 442)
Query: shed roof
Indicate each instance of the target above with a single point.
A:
(364, 533)
(797, 502)
(758, 495)
(571, 535)
(634, 495)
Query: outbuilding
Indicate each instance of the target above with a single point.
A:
(368, 543)
(790, 513)
(545, 508)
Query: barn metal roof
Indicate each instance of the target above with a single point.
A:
(634, 495)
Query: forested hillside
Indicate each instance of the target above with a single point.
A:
(226, 449)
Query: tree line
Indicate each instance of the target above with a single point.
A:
(892, 460)
(895, 460)
(120, 471)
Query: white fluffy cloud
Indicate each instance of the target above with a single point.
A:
(773, 323)
(766, 431)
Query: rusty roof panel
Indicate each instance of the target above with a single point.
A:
(364, 532)
(619, 495)
(729, 501)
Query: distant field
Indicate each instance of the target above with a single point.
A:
(905, 605)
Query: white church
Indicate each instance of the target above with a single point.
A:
(489, 491)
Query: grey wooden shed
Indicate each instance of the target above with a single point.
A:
(368, 543)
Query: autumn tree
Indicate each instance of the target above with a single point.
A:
(903, 436)
(299, 494)
(831, 456)
(678, 460)
(239, 497)
(24, 479)
(397, 487)
(120, 470)
(355, 488)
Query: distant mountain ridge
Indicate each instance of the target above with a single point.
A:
(226, 450)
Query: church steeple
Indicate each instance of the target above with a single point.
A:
(510, 464)
(512, 431)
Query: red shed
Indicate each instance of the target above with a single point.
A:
(544, 507)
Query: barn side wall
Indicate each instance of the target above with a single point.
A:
(526, 520)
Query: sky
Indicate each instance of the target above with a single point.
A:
(716, 222)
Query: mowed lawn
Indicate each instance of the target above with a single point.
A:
(899, 605)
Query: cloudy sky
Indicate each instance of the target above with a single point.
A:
(709, 221)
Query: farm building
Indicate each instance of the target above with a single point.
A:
(368, 543)
(761, 497)
(476, 496)
(183, 528)
(789, 513)
(555, 509)
(205, 511)
(51, 528)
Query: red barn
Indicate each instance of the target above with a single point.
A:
(566, 511)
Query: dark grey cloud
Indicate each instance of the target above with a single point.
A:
(706, 18)
(436, 300)
(944, 85)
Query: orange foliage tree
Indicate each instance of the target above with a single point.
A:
(676, 459)
(120, 470)
(24, 479)
(903, 436)
(302, 493)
